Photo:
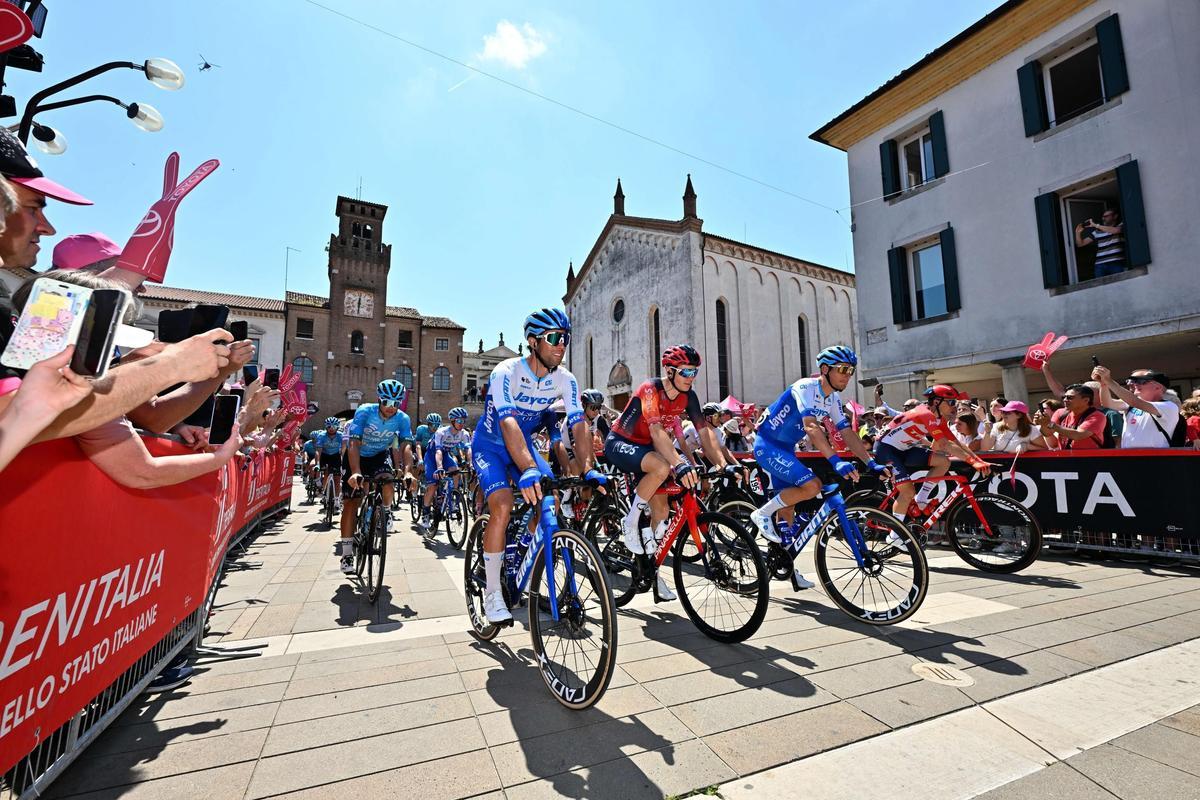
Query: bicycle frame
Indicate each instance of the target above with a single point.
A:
(543, 544)
(689, 509)
(962, 489)
(834, 504)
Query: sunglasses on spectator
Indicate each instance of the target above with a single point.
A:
(555, 338)
(843, 369)
(1138, 380)
(1071, 396)
(688, 372)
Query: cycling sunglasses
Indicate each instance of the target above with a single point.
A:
(592, 408)
(555, 338)
(384, 402)
(689, 372)
(843, 369)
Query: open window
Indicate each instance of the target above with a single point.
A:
(357, 344)
(924, 278)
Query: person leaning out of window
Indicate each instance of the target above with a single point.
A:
(1109, 238)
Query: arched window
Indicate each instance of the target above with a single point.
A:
(404, 374)
(722, 350)
(655, 342)
(802, 331)
(441, 379)
(304, 365)
(356, 342)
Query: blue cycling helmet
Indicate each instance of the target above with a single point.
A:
(547, 319)
(391, 389)
(838, 354)
(459, 413)
(434, 419)
(332, 422)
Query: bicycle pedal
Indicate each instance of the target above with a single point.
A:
(508, 623)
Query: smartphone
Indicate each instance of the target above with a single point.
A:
(249, 374)
(240, 330)
(1095, 361)
(50, 321)
(94, 347)
(205, 318)
(225, 411)
(174, 325)
(240, 393)
(272, 379)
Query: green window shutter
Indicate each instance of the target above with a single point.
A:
(1112, 57)
(1033, 98)
(1133, 213)
(1050, 239)
(898, 272)
(889, 162)
(950, 270)
(941, 156)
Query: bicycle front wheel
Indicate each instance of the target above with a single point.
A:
(457, 523)
(329, 503)
(890, 584)
(1010, 542)
(376, 552)
(577, 652)
(604, 531)
(725, 588)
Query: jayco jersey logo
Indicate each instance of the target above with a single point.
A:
(524, 397)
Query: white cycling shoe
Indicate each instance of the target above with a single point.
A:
(663, 591)
(800, 582)
(495, 609)
(895, 540)
(347, 565)
(765, 525)
(633, 540)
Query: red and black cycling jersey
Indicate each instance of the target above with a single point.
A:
(650, 405)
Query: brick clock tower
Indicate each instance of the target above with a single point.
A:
(349, 341)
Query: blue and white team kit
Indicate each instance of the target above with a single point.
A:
(515, 392)
(448, 441)
(783, 429)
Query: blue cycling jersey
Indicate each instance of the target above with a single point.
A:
(377, 433)
(514, 391)
(310, 448)
(784, 422)
(329, 445)
(423, 436)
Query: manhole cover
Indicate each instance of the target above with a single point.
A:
(940, 673)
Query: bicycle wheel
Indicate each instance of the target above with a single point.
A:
(360, 540)
(1015, 539)
(456, 529)
(376, 552)
(475, 582)
(868, 498)
(329, 503)
(891, 583)
(604, 532)
(577, 652)
(725, 591)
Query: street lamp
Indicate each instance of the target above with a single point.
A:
(51, 141)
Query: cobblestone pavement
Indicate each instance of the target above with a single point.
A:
(1082, 674)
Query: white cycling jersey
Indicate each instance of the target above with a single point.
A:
(784, 420)
(514, 391)
(446, 436)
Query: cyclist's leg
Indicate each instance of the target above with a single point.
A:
(496, 471)
(790, 482)
(938, 464)
(903, 464)
(430, 483)
(650, 470)
(346, 523)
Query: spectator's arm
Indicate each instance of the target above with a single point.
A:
(49, 388)
(159, 414)
(1080, 239)
(1119, 397)
(1037, 443)
(129, 463)
(988, 440)
(1056, 388)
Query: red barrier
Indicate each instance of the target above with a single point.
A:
(95, 574)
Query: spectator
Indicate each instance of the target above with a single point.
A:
(1191, 416)
(966, 431)
(94, 252)
(1115, 422)
(910, 404)
(1014, 432)
(1079, 425)
(1109, 238)
(49, 388)
(1150, 420)
(1050, 405)
(24, 228)
(994, 408)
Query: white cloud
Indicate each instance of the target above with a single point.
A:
(512, 46)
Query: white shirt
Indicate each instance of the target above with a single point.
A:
(1140, 430)
(1008, 441)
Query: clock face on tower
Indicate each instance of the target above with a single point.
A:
(359, 303)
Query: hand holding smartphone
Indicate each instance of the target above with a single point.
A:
(225, 411)
(58, 314)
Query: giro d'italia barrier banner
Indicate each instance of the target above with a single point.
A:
(1152, 492)
(95, 574)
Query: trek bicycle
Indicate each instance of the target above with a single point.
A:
(719, 572)
(559, 574)
(989, 531)
(370, 534)
(449, 507)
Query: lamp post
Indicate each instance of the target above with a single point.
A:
(287, 254)
(51, 141)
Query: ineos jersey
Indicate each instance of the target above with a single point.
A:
(784, 421)
(650, 405)
(514, 391)
(912, 428)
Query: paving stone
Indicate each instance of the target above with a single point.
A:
(275, 620)
(205, 681)
(359, 679)
(170, 705)
(717, 681)
(855, 680)
(777, 741)
(1054, 633)
(715, 714)
(523, 721)
(378, 661)
(1018, 673)
(463, 775)
(912, 702)
(1104, 649)
(1187, 721)
(1134, 777)
(374, 648)
(1164, 744)
(327, 705)
(1056, 782)
(221, 783)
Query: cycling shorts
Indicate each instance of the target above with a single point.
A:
(904, 462)
(781, 465)
(626, 456)
(370, 466)
(448, 462)
(496, 469)
(333, 463)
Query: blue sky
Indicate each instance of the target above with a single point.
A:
(491, 191)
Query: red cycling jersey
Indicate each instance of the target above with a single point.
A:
(650, 405)
(911, 428)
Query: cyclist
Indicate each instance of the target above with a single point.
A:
(799, 414)
(519, 390)
(902, 445)
(642, 442)
(328, 443)
(440, 457)
(371, 448)
(424, 434)
(310, 459)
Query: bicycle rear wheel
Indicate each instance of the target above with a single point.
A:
(376, 552)
(577, 652)
(475, 582)
(604, 532)
(725, 590)
(1012, 545)
(458, 523)
(891, 583)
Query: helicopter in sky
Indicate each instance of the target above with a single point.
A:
(205, 65)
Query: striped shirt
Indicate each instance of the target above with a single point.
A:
(1110, 247)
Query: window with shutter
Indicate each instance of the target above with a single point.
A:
(941, 153)
(950, 269)
(1033, 98)
(1050, 243)
(898, 275)
(1133, 211)
(890, 166)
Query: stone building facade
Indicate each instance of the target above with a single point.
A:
(477, 368)
(347, 342)
(758, 318)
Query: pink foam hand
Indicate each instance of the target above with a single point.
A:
(288, 379)
(1037, 354)
(149, 248)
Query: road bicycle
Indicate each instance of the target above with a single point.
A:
(449, 507)
(719, 573)
(330, 496)
(989, 531)
(559, 575)
(370, 534)
(311, 486)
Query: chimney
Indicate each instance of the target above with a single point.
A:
(689, 200)
(619, 201)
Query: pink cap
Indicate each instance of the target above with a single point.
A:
(84, 249)
(1015, 405)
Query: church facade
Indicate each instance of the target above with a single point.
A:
(758, 318)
